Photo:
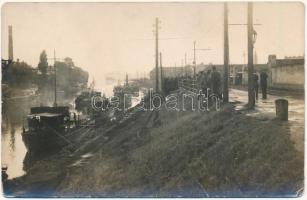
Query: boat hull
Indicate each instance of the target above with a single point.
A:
(43, 141)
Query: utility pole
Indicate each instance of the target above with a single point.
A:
(251, 39)
(185, 59)
(55, 95)
(161, 73)
(182, 68)
(157, 53)
(250, 31)
(244, 62)
(226, 55)
(194, 60)
(185, 64)
(127, 80)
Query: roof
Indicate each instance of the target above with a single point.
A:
(290, 61)
(45, 109)
(50, 115)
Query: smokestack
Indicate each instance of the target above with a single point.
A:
(11, 57)
(126, 79)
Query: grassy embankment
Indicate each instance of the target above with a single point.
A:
(170, 153)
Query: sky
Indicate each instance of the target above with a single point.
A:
(118, 38)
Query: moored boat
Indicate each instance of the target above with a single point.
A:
(47, 127)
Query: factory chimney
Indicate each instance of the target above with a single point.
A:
(11, 57)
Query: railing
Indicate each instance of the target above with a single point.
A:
(189, 84)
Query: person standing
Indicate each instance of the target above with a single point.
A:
(199, 78)
(216, 82)
(263, 83)
(208, 79)
(204, 82)
(75, 119)
(256, 86)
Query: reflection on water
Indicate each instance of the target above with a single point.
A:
(13, 150)
(137, 99)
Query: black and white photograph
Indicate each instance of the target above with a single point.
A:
(152, 99)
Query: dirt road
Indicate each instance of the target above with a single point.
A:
(265, 109)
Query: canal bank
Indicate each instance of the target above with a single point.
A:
(170, 153)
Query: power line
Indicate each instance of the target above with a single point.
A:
(167, 38)
(244, 24)
(204, 49)
(194, 56)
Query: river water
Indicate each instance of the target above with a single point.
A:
(13, 150)
(14, 112)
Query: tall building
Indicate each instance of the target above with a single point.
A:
(11, 57)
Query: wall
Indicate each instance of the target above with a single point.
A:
(288, 77)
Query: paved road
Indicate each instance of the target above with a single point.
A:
(265, 109)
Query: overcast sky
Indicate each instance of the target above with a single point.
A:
(117, 37)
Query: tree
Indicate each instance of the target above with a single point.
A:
(43, 63)
(20, 75)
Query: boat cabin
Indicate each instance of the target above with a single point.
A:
(44, 118)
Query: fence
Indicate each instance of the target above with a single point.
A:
(188, 84)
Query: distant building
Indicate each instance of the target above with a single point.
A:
(69, 62)
(287, 73)
(172, 72)
(239, 72)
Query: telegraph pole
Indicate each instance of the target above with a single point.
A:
(185, 64)
(226, 55)
(194, 60)
(251, 39)
(244, 62)
(55, 95)
(161, 72)
(250, 31)
(157, 53)
(127, 80)
(185, 59)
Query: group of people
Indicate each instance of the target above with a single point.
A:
(210, 79)
(213, 80)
